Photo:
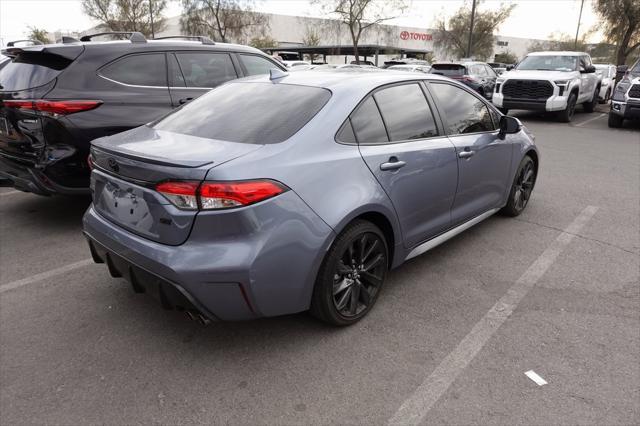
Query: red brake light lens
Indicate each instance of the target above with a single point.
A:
(55, 107)
(223, 195)
(191, 195)
(183, 195)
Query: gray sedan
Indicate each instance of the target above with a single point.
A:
(278, 194)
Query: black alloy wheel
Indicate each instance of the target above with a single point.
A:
(566, 115)
(522, 188)
(351, 276)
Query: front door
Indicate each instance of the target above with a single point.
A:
(410, 157)
(484, 157)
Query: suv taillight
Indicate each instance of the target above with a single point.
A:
(190, 195)
(56, 107)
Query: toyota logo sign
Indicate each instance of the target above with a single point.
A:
(404, 35)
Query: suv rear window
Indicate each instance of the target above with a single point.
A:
(256, 113)
(31, 69)
(448, 69)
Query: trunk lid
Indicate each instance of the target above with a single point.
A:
(129, 165)
(29, 75)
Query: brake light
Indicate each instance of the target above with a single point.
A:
(468, 78)
(55, 107)
(183, 195)
(191, 195)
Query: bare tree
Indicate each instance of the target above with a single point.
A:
(38, 34)
(620, 20)
(559, 41)
(311, 38)
(453, 34)
(263, 42)
(360, 15)
(222, 20)
(144, 16)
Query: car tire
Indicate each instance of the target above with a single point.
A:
(522, 187)
(615, 121)
(566, 115)
(351, 275)
(591, 105)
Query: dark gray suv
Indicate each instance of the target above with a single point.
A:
(56, 98)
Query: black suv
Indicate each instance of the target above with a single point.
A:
(55, 99)
(477, 75)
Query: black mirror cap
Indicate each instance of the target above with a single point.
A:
(588, 69)
(509, 125)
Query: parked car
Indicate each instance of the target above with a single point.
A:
(549, 81)
(500, 67)
(411, 68)
(625, 102)
(296, 64)
(56, 98)
(477, 75)
(237, 207)
(607, 76)
(405, 61)
(363, 63)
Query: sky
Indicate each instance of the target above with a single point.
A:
(530, 18)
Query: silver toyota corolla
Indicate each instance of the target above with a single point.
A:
(284, 193)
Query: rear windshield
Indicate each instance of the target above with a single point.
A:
(257, 113)
(31, 69)
(447, 69)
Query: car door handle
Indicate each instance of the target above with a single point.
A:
(466, 154)
(184, 100)
(392, 164)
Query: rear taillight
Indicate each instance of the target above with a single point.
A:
(54, 107)
(191, 195)
(468, 79)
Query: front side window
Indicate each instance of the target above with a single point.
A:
(255, 64)
(406, 112)
(464, 112)
(255, 113)
(138, 70)
(367, 123)
(206, 69)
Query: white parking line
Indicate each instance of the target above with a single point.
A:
(590, 120)
(45, 275)
(414, 410)
(2, 194)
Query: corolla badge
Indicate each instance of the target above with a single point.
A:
(113, 164)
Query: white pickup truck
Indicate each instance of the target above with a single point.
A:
(549, 81)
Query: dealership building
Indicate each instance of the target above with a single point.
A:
(381, 42)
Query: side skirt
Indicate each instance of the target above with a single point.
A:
(428, 245)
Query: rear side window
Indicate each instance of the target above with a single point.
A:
(138, 70)
(31, 69)
(367, 123)
(463, 111)
(255, 64)
(406, 112)
(206, 69)
(256, 113)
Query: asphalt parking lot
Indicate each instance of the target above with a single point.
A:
(555, 291)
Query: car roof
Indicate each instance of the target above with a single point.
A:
(557, 53)
(334, 79)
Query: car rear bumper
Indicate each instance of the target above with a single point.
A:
(267, 269)
(26, 178)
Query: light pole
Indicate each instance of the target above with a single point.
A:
(153, 35)
(575, 44)
(473, 15)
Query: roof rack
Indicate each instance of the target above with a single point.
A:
(202, 39)
(134, 36)
(13, 43)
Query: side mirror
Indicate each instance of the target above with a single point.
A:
(588, 69)
(509, 125)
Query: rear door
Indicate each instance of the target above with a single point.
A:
(194, 73)
(484, 159)
(491, 78)
(410, 157)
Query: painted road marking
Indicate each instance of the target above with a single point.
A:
(414, 410)
(590, 120)
(45, 275)
(535, 377)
